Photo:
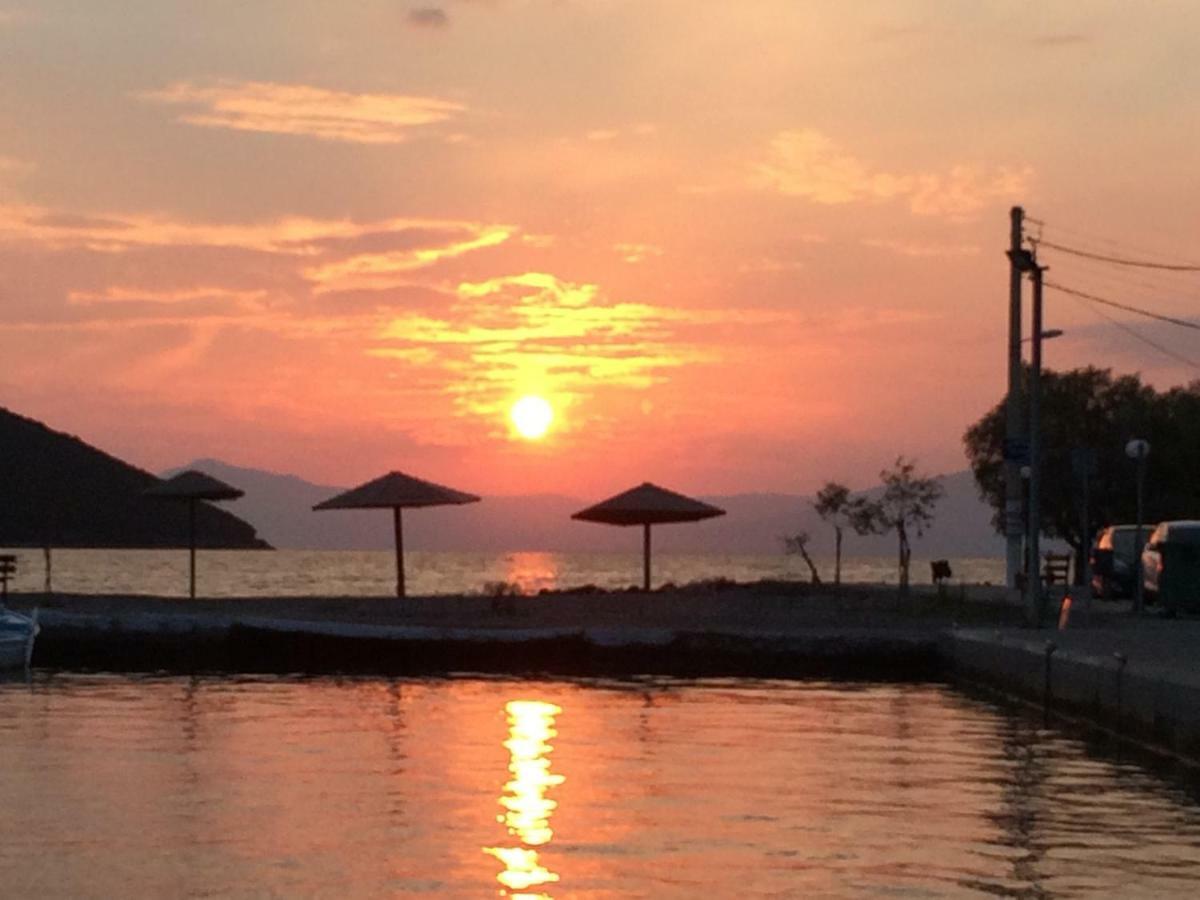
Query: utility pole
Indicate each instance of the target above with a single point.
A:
(1035, 605)
(1138, 450)
(1014, 429)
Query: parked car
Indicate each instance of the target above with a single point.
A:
(1171, 564)
(1113, 556)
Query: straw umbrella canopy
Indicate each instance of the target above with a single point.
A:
(396, 491)
(646, 505)
(193, 486)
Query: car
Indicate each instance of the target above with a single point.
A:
(1113, 556)
(1180, 538)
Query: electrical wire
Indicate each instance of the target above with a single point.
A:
(1118, 260)
(1183, 323)
(1166, 351)
(1120, 249)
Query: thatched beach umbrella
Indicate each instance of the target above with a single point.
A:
(193, 486)
(646, 505)
(396, 491)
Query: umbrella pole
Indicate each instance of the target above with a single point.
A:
(192, 547)
(399, 552)
(646, 556)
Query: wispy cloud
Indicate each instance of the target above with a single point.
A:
(1062, 39)
(921, 249)
(636, 253)
(301, 109)
(807, 163)
(10, 166)
(323, 241)
(380, 270)
(431, 17)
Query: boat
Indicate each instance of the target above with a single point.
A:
(17, 632)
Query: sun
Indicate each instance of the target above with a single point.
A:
(531, 416)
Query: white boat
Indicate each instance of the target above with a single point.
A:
(17, 632)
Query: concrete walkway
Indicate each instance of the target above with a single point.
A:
(1138, 676)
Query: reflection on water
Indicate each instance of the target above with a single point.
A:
(527, 808)
(532, 572)
(112, 786)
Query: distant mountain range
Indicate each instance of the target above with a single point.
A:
(56, 490)
(280, 508)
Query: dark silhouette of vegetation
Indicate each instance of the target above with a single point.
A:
(1092, 408)
(835, 506)
(798, 544)
(57, 491)
(905, 506)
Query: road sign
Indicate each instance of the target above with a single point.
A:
(1016, 450)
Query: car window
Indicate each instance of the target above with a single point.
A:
(1186, 534)
(1124, 543)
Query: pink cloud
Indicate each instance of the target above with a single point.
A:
(807, 163)
(302, 109)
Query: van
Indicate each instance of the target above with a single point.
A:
(1113, 556)
(1171, 564)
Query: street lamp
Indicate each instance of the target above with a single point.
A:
(1137, 450)
(1048, 334)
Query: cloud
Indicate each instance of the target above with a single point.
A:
(137, 267)
(430, 17)
(300, 109)
(387, 269)
(536, 331)
(636, 253)
(806, 163)
(921, 249)
(322, 241)
(12, 164)
(115, 294)
(1062, 39)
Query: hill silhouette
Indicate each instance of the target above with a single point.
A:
(56, 490)
(280, 507)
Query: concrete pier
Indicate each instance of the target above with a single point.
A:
(1136, 676)
(1139, 677)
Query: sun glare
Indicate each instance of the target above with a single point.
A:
(531, 417)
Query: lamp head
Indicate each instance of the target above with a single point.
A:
(1137, 449)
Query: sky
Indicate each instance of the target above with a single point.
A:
(737, 246)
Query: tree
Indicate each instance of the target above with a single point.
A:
(1092, 408)
(905, 506)
(835, 506)
(798, 543)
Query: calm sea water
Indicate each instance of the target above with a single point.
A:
(114, 786)
(233, 573)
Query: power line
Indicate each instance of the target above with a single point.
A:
(1136, 285)
(1183, 323)
(1118, 260)
(1178, 357)
(1118, 248)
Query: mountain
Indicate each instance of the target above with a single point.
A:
(280, 507)
(57, 490)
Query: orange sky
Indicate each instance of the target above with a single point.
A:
(737, 246)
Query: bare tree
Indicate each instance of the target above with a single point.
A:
(906, 506)
(798, 543)
(835, 506)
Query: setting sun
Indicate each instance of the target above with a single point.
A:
(531, 417)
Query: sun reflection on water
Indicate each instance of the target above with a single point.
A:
(531, 571)
(527, 809)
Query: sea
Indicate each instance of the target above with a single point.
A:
(463, 786)
(117, 785)
(281, 573)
